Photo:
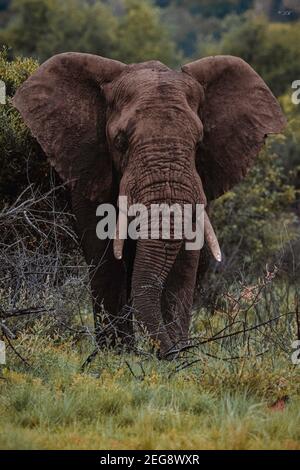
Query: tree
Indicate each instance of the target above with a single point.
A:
(4, 4)
(130, 31)
(142, 35)
(41, 28)
(209, 8)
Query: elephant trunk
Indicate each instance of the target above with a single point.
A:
(153, 262)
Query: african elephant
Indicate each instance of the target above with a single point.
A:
(156, 135)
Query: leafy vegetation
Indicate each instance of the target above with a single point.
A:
(255, 219)
(135, 34)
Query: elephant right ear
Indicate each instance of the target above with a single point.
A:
(63, 106)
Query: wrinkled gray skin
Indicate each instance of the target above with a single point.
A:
(155, 135)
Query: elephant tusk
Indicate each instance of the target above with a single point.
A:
(122, 222)
(118, 248)
(120, 235)
(211, 238)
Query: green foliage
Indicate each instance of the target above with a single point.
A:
(255, 220)
(20, 156)
(288, 147)
(194, 26)
(57, 26)
(135, 34)
(218, 8)
(13, 73)
(115, 28)
(142, 37)
(207, 8)
(4, 4)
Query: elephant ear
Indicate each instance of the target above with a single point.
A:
(239, 111)
(63, 106)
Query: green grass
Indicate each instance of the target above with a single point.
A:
(212, 405)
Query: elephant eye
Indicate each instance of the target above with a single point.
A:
(199, 144)
(121, 142)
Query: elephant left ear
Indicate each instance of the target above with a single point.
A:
(238, 113)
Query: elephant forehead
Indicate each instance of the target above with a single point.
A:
(151, 81)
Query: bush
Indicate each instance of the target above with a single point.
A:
(36, 238)
(22, 161)
(255, 220)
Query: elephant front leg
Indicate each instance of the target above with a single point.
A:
(177, 298)
(113, 323)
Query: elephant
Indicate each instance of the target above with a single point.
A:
(156, 135)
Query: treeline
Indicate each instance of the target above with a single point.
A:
(129, 30)
(173, 31)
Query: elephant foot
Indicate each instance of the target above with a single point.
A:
(114, 331)
(174, 352)
(167, 353)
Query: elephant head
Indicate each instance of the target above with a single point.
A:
(158, 135)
